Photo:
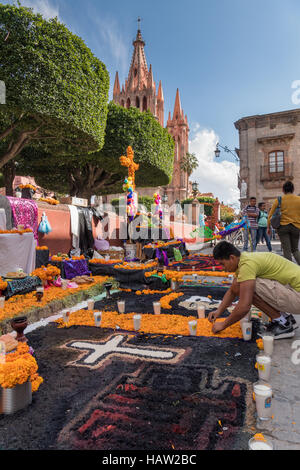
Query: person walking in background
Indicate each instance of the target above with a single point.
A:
(251, 212)
(263, 226)
(289, 229)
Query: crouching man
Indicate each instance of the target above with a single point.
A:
(266, 280)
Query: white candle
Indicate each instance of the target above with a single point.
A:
(156, 308)
(268, 341)
(98, 318)
(259, 445)
(137, 322)
(201, 311)
(90, 304)
(193, 327)
(263, 366)
(247, 330)
(66, 316)
(263, 400)
(2, 302)
(121, 306)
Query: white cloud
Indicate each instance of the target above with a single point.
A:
(44, 7)
(219, 178)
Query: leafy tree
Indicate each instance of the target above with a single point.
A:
(56, 89)
(101, 172)
(227, 214)
(189, 163)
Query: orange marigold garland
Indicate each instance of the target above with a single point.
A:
(151, 324)
(19, 367)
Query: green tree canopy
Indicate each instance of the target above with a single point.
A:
(56, 89)
(101, 172)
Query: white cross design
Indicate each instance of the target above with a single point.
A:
(101, 350)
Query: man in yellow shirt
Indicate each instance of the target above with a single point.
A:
(266, 280)
(289, 230)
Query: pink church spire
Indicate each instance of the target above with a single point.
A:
(177, 114)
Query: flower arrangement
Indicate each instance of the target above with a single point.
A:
(160, 244)
(165, 301)
(25, 230)
(49, 200)
(178, 276)
(21, 304)
(153, 324)
(46, 274)
(42, 248)
(136, 266)
(3, 285)
(27, 186)
(103, 261)
(147, 292)
(19, 367)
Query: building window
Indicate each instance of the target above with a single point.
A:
(144, 103)
(137, 102)
(128, 103)
(276, 162)
(122, 103)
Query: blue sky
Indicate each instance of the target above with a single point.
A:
(229, 59)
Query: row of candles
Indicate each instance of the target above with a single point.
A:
(262, 390)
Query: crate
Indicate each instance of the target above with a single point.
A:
(74, 201)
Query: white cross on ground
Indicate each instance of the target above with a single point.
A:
(102, 350)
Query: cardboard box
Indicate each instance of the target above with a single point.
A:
(74, 201)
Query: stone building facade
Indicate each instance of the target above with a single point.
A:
(140, 91)
(269, 152)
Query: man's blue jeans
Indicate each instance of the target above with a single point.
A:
(263, 235)
(253, 234)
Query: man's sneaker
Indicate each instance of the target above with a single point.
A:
(291, 319)
(279, 331)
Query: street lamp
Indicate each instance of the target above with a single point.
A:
(227, 150)
(195, 189)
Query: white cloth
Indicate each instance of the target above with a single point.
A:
(17, 251)
(2, 219)
(74, 226)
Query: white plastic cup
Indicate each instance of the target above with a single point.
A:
(263, 400)
(137, 322)
(193, 268)
(121, 306)
(201, 311)
(98, 318)
(247, 330)
(156, 308)
(66, 316)
(90, 304)
(263, 366)
(2, 302)
(173, 285)
(193, 327)
(230, 278)
(268, 341)
(2, 352)
(178, 268)
(254, 444)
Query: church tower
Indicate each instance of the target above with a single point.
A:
(140, 90)
(179, 130)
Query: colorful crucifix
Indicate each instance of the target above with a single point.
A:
(130, 164)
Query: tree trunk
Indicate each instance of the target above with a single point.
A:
(9, 173)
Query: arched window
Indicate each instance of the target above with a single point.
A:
(122, 103)
(128, 103)
(145, 103)
(137, 102)
(276, 162)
